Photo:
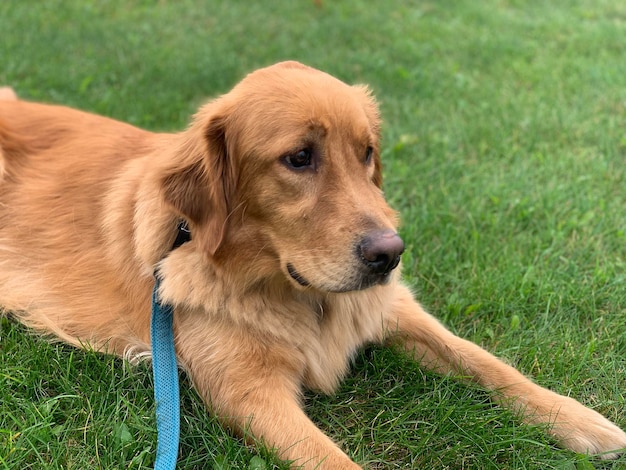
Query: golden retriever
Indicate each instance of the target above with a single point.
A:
(291, 265)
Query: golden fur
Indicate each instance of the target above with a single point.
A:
(275, 290)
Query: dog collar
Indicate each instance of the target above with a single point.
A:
(183, 234)
(165, 370)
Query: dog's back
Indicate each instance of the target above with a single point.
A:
(54, 185)
(7, 93)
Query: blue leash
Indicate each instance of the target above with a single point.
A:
(165, 372)
(166, 391)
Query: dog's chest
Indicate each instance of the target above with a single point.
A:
(323, 330)
(345, 323)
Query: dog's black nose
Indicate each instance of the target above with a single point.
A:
(380, 251)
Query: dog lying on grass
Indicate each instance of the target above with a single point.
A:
(292, 263)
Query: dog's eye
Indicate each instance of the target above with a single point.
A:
(299, 160)
(368, 155)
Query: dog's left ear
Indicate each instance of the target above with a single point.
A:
(201, 190)
(373, 115)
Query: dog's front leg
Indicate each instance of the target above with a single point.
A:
(253, 386)
(573, 425)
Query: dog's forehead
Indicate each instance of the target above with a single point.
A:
(294, 73)
(285, 95)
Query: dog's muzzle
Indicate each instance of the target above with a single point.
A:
(380, 252)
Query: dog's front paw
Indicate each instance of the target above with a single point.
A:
(585, 431)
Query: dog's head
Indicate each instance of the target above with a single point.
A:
(289, 172)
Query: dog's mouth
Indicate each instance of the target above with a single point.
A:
(296, 276)
(360, 282)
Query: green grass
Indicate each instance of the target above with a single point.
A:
(505, 150)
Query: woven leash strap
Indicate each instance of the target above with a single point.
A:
(166, 391)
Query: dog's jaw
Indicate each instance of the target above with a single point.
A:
(354, 283)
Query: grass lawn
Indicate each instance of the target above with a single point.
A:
(505, 151)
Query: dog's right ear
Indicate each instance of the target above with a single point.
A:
(201, 190)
